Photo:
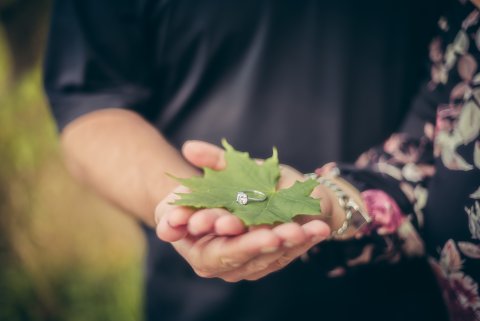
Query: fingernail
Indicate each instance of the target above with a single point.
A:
(267, 250)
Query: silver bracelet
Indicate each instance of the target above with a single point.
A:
(355, 217)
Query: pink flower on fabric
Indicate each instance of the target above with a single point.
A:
(384, 211)
(459, 290)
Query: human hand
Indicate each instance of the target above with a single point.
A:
(202, 154)
(248, 256)
(230, 253)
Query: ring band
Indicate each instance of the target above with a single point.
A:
(244, 197)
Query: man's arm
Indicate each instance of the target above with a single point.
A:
(123, 158)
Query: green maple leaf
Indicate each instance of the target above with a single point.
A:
(219, 189)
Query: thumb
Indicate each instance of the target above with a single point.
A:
(203, 154)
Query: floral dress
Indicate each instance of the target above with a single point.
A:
(430, 170)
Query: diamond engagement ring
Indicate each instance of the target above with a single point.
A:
(250, 195)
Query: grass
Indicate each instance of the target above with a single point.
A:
(64, 254)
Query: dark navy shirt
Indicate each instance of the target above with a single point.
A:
(321, 80)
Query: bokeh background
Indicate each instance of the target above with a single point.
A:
(64, 254)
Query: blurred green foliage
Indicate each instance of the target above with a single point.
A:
(64, 254)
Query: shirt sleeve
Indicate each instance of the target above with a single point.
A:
(429, 171)
(393, 179)
(404, 164)
(96, 58)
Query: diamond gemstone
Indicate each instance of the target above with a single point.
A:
(242, 198)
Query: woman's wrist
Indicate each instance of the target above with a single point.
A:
(343, 206)
(333, 214)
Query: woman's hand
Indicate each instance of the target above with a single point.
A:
(248, 256)
(238, 254)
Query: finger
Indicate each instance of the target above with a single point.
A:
(292, 234)
(203, 154)
(288, 177)
(172, 220)
(229, 225)
(315, 231)
(203, 221)
(256, 266)
(222, 254)
(266, 264)
(179, 216)
(326, 169)
(167, 232)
